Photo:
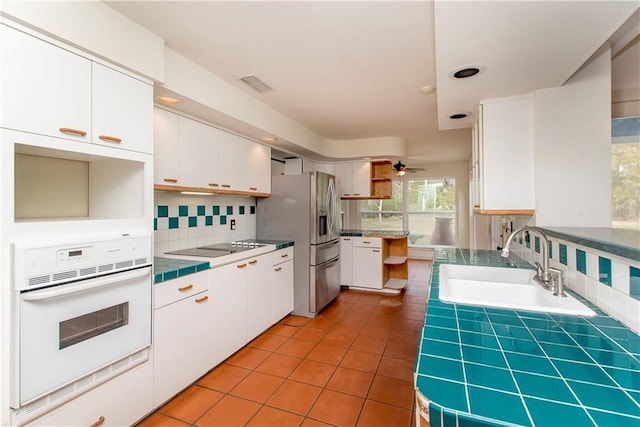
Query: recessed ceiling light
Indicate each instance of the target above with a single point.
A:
(168, 100)
(467, 71)
(269, 139)
(458, 116)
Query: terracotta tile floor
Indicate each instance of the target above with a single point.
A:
(350, 366)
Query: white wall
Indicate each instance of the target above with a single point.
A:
(573, 149)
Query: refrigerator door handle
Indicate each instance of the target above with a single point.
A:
(331, 194)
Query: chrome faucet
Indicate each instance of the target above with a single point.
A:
(548, 277)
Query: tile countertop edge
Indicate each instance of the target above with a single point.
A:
(624, 243)
(374, 233)
(168, 268)
(486, 366)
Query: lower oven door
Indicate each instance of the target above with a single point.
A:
(69, 331)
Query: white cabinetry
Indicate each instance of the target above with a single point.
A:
(182, 344)
(51, 91)
(166, 147)
(191, 155)
(355, 179)
(367, 262)
(121, 401)
(122, 113)
(346, 261)
(503, 173)
(282, 283)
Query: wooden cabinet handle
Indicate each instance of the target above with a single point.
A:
(226, 186)
(284, 256)
(73, 131)
(476, 206)
(186, 288)
(346, 240)
(171, 180)
(241, 265)
(253, 188)
(254, 261)
(108, 138)
(99, 422)
(376, 250)
(213, 184)
(356, 194)
(202, 299)
(277, 269)
(366, 242)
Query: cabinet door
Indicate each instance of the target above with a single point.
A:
(182, 339)
(346, 261)
(367, 267)
(247, 164)
(121, 401)
(45, 89)
(197, 151)
(122, 110)
(361, 179)
(259, 295)
(166, 148)
(282, 279)
(344, 174)
(228, 289)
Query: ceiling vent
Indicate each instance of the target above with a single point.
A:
(255, 83)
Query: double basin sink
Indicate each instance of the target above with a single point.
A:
(512, 288)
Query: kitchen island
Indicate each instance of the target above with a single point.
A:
(485, 366)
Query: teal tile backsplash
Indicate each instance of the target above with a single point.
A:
(184, 221)
(602, 276)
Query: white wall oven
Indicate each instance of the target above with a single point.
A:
(83, 313)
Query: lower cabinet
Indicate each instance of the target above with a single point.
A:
(121, 401)
(367, 262)
(282, 276)
(346, 261)
(183, 347)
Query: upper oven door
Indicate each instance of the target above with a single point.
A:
(68, 331)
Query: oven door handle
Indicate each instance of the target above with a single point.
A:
(60, 291)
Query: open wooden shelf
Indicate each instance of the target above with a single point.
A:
(381, 184)
(395, 284)
(395, 260)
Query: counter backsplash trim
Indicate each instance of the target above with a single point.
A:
(187, 221)
(609, 281)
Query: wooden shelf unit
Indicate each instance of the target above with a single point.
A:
(395, 267)
(381, 184)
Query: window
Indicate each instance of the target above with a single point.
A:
(425, 207)
(625, 173)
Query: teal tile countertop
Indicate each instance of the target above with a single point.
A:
(170, 268)
(370, 233)
(624, 243)
(484, 366)
(279, 244)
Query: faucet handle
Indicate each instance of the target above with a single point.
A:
(539, 268)
(557, 280)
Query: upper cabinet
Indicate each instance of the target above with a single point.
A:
(502, 157)
(51, 91)
(364, 180)
(193, 156)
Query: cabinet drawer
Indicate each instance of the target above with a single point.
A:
(177, 289)
(367, 242)
(283, 255)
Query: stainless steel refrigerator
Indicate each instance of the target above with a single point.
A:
(305, 208)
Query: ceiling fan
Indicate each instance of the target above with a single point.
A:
(400, 169)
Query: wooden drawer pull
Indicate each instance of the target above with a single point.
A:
(99, 422)
(284, 256)
(226, 186)
(73, 131)
(185, 288)
(171, 180)
(277, 269)
(241, 265)
(346, 240)
(255, 261)
(253, 189)
(202, 299)
(356, 194)
(213, 184)
(376, 250)
(108, 138)
(366, 242)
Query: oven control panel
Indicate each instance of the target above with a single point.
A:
(39, 264)
(75, 255)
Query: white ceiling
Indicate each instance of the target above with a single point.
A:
(354, 69)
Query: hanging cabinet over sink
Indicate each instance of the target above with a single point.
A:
(503, 173)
